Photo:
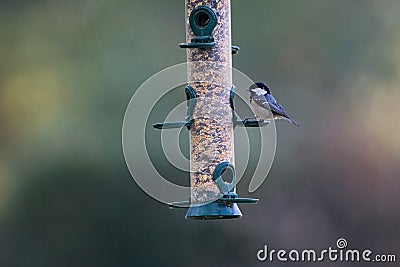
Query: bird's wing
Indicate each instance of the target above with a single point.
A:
(261, 101)
(275, 107)
(278, 109)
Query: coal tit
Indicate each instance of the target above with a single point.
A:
(264, 104)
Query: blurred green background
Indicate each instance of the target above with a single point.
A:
(69, 68)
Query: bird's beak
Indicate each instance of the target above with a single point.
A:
(248, 89)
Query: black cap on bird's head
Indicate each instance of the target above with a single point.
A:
(261, 85)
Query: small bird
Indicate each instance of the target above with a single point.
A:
(264, 104)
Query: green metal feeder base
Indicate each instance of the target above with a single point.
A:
(214, 210)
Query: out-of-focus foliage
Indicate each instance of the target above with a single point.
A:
(69, 68)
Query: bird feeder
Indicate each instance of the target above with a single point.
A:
(210, 112)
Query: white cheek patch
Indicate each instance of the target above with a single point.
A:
(259, 91)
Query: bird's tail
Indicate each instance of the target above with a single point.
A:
(293, 122)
